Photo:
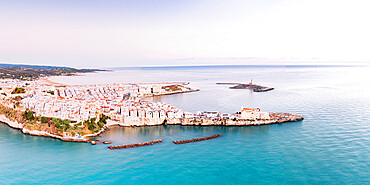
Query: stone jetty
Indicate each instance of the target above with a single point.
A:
(135, 145)
(197, 139)
(251, 86)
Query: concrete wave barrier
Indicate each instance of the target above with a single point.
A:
(135, 145)
(197, 139)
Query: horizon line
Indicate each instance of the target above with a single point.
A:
(235, 65)
(200, 65)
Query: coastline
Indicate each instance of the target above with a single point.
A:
(16, 125)
(47, 81)
(148, 118)
(182, 122)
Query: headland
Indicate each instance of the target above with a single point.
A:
(79, 112)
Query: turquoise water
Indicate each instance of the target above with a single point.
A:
(331, 146)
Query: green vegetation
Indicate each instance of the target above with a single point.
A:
(44, 120)
(95, 125)
(17, 98)
(10, 113)
(18, 90)
(63, 124)
(102, 120)
(90, 124)
(28, 115)
(50, 92)
(78, 126)
(54, 126)
(30, 72)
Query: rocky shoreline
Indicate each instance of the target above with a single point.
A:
(275, 119)
(16, 125)
(39, 108)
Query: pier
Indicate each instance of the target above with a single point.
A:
(197, 139)
(135, 145)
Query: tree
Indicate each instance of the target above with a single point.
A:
(44, 120)
(65, 124)
(18, 90)
(90, 124)
(28, 115)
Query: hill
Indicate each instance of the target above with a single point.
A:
(30, 72)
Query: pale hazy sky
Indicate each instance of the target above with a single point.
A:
(109, 33)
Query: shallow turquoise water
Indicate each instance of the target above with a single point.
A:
(331, 146)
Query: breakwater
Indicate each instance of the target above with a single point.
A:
(174, 92)
(197, 139)
(135, 145)
(253, 87)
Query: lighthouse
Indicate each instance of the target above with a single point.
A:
(251, 83)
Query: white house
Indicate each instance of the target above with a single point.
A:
(248, 113)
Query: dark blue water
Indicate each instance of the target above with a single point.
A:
(331, 146)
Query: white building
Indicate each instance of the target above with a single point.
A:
(249, 113)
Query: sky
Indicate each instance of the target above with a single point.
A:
(115, 33)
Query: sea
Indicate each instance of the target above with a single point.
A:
(330, 146)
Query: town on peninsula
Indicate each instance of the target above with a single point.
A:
(78, 112)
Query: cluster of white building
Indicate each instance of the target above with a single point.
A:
(253, 114)
(84, 102)
(118, 101)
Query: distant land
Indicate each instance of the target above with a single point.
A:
(31, 72)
